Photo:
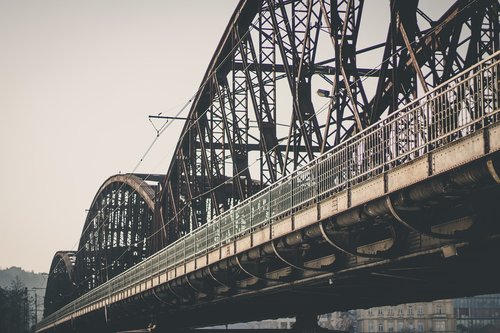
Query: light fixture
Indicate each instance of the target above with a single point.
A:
(449, 251)
(323, 93)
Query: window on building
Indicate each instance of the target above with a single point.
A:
(390, 311)
(420, 326)
(420, 310)
(380, 312)
(410, 310)
(462, 312)
(440, 326)
(380, 327)
(400, 311)
(400, 326)
(390, 327)
(371, 327)
(370, 312)
(411, 328)
(439, 309)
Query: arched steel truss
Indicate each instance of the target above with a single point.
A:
(117, 231)
(61, 285)
(257, 100)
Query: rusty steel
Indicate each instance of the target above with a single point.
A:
(254, 121)
(116, 233)
(61, 287)
(276, 48)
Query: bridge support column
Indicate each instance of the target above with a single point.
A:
(307, 323)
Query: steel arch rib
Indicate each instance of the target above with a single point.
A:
(211, 170)
(117, 230)
(136, 183)
(61, 286)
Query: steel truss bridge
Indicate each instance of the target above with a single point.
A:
(278, 202)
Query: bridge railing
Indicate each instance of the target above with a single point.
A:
(459, 107)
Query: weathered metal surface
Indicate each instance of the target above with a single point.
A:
(367, 191)
(61, 287)
(290, 49)
(459, 153)
(116, 233)
(352, 186)
(350, 231)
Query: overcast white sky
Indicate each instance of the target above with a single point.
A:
(77, 82)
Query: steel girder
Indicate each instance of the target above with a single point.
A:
(61, 287)
(255, 117)
(119, 229)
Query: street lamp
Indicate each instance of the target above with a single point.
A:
(324, 93)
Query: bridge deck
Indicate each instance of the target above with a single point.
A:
(429, 137)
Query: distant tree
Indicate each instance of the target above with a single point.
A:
(340, 321)
(14, 308)
(3, 310)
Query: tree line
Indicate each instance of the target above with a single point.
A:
(17, 312)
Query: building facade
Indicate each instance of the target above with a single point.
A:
(478, 314)
(437, 316)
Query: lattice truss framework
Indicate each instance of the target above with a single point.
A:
(117, 231)
(61, 287)
(256, 116)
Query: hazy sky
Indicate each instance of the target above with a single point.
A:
(77, 82)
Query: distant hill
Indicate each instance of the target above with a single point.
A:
(35, 282)
(29, 279)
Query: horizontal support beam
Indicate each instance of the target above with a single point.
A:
(279, 68)
(150, 177)
(249, 147)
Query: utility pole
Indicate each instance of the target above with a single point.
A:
(35, 303)
(36, 308)
(26, 311)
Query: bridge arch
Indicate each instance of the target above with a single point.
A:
(118, 228)
(268, 47)
(61, 282)
(291, 80)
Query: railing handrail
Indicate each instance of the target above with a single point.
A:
(343, 147)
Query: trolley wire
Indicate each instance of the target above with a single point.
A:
(166, 125)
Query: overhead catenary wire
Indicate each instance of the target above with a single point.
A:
(162, 129)
(317, 113)
(323, 107)
(196, 120)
